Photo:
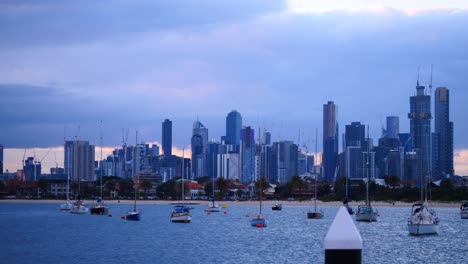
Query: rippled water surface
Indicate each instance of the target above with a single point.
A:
(39, 233)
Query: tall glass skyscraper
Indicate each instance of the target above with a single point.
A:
(444, 134)
(167, 137)
(199, 144)
(330, 141)
(247, 152)
(233, 128)
(420, 127)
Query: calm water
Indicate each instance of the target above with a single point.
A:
(39, 233)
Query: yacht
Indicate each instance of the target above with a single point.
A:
(464, 210)
(423, 221)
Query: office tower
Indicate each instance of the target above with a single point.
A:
(330, 141)
(393, 127)
(199, 143)
(420, 127)
(310, 159)
(1, 159)
(284, 161)
(266, 138)
(32, 169)
(233, 128)
(79, 160)
(167, 137)
(355, 134)
(247, 152)
(154, 150)
(228, 166)
(211, 157)
(444, 134)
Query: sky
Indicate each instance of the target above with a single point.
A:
(66, 66)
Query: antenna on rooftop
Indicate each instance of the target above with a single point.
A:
(417, 82)
(430, 82)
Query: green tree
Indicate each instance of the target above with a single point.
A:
(178, 189)
(222, 186)
(42, 184)
(209, 188)
(146, 185)
(203, 180)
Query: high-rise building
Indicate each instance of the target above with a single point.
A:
(420, 128)
(330, 141)
(167, 137)
(1, 159)
(247, 152)
(355, 134)
(79, 160)
(154, 150)
(444, 134)
(32, 169)
(199, 143)
(284, 161)
(393, 127)
(233, 128)
(266, 138)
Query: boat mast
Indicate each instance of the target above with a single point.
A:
(260, 171)
(367, 166)
(136, 164)
(100, 169)
(315, 157)
(183, 172)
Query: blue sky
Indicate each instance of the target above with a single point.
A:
(73, 63)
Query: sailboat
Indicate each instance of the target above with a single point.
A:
(259, 221)
(423, 220)
(181, 213)
(135, 214)
(100, 207)
(213, 206)
(315, 214)
(366, 212)
(464, 210)
(79, 207)
(67, 206)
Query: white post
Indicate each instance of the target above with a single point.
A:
(343, 243)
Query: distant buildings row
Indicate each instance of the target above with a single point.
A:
(239, 156)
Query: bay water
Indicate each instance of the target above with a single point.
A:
(40, 233)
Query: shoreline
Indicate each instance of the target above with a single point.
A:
(267, 203)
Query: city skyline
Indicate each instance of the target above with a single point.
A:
(275, 62)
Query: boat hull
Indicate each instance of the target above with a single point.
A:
(464, 214)
(423, 229)
(366, 214)
(99, 210)
(257, 222)
(212, 209)
(315, 215)
(133, 216)
(181, 219)
(66, 207)
(79, 209)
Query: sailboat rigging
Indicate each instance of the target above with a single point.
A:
(315, 214)
(135, 214)
(181, 213)
(259, 221)
(367, 212)
(100, 208)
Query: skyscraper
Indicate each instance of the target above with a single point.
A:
(355, 145)
(355, 134)
(420, 127)
(79, 160)
(247, 152)
(233, 128)
(199, 144)
(444, 133)
(1, 159)
(330, 141)
(393, 127)
(167, 137)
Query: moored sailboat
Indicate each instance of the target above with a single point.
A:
(213, 206)
(100, 208)
(464, 210)
(181, 213)
(315, 214)
(366, 212)
(135, 214)
(259, 220)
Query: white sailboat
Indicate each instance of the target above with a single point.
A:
(67, 205)
(315, 214)
(423, 220)
(259, 221)
(366, 212)
(181, 213)
(79, 207)
(213, 206)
